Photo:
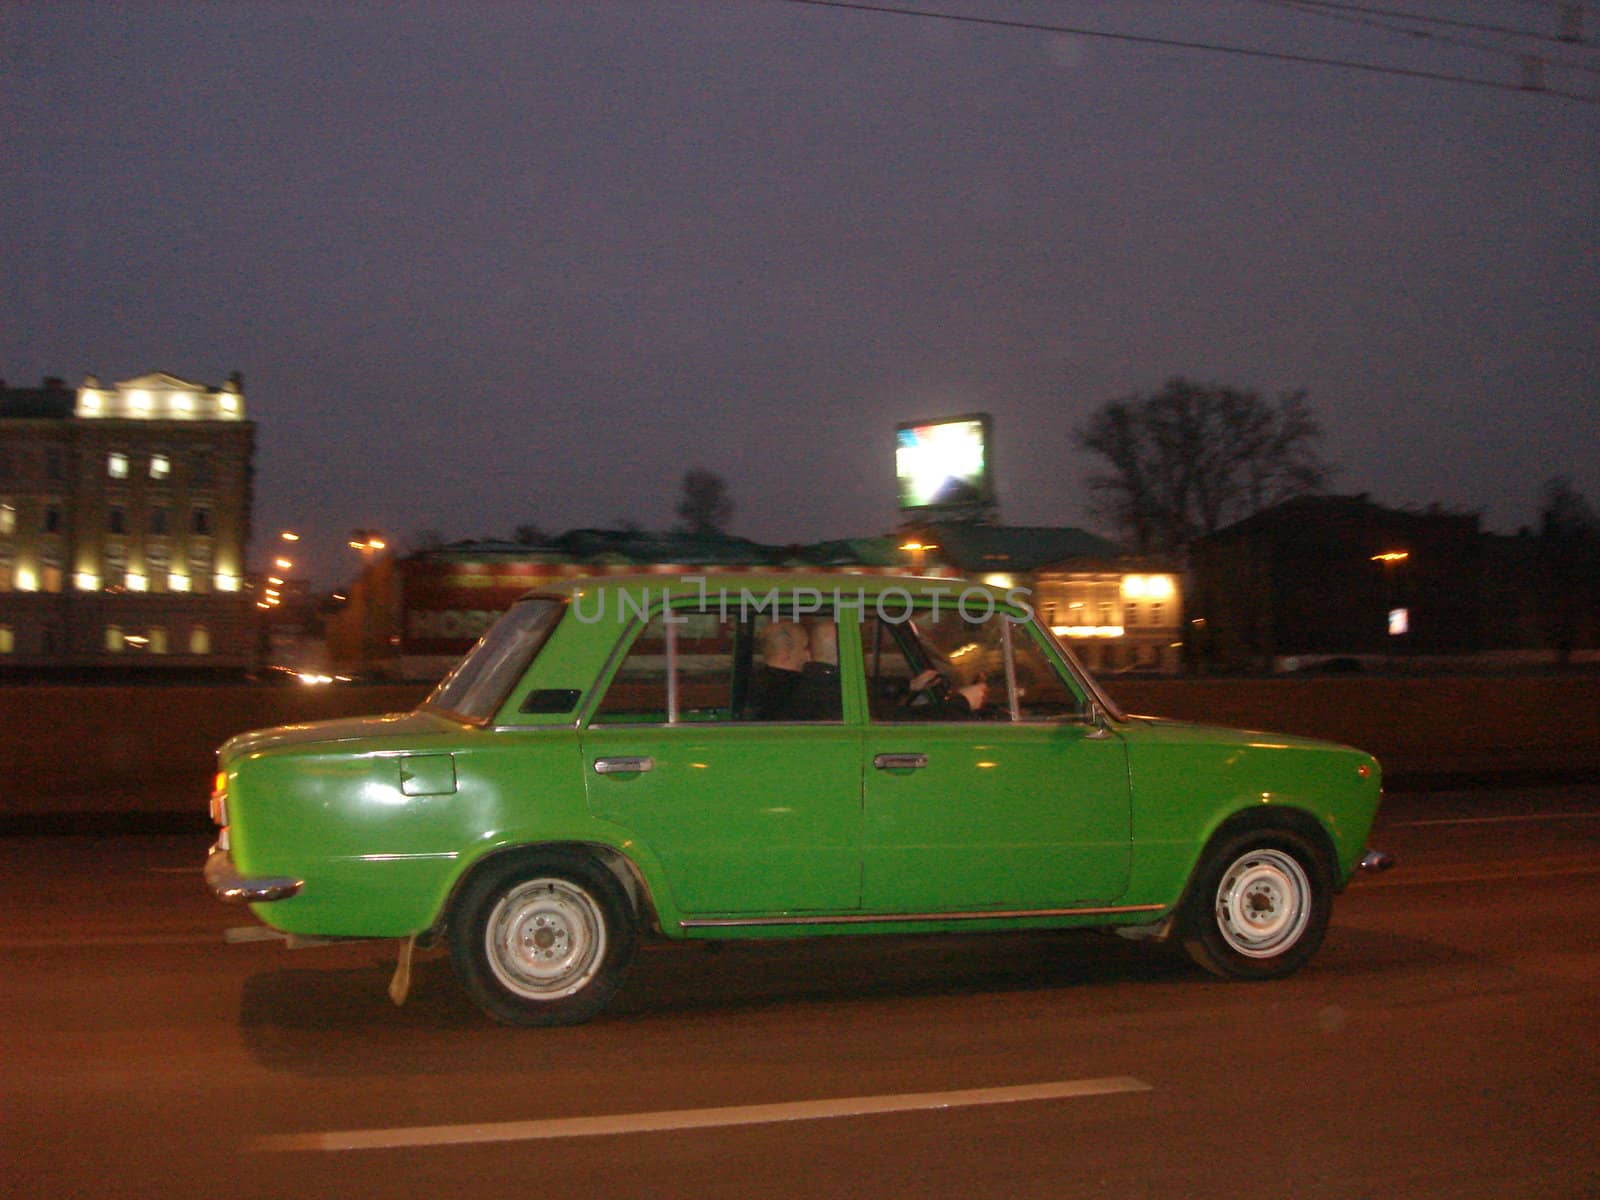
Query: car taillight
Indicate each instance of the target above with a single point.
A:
(219, 799)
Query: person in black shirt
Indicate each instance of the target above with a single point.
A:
(785, 649)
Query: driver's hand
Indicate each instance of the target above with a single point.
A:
(977, 694)
(924, 680)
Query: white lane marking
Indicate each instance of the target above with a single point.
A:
(1501, 877)
(693, 1118)
(1581, 816)
(93, 943)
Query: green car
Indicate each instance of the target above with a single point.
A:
(778, 755)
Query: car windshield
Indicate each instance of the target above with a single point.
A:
(480, 681)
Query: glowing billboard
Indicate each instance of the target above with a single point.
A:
(944, 463)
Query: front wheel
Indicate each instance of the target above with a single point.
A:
(542, 940)
(1258, 907)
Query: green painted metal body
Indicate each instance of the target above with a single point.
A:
(744, 829)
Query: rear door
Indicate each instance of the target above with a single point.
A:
(746, 813)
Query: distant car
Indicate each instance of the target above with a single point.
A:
(778, 756)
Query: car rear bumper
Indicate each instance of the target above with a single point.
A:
(226, 884)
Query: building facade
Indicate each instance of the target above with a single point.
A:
(1119, 614)
(124, 520)
(1320, 577)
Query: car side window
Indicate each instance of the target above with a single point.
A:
(938, 666)
(716, 665)
(935, 665)
(1042, 693)
(637, 694)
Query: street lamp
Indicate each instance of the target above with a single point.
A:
(1398, 619)
(917, 550)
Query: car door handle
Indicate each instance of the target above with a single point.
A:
(900, 762)
(622, 766)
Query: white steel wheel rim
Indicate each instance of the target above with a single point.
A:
(1263, 903)
(545, 939)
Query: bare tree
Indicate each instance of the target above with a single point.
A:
(705, 506)
(1193, 457)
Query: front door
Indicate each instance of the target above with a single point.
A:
(985, 785)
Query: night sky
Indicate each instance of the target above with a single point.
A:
(488, 264)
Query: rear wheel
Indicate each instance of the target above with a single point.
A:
(1259, 905)
(542, 940)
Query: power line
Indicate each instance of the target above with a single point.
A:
(1474, 26)
(1352, 15)
(1207, 47)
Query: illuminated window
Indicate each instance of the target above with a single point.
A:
(160, 466)
(181, 403)
(114, 639)
(157, 562)
(117, 465)
(199, 567)
(86, 581)
(1130, 614)
(8, 517)
(156, 640)
(177, 582)
(140, 401)
(8, 641)
(50, 572)
(116, 566)
(199, 640)
(1155, 613)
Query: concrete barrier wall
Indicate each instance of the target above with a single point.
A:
(147, 749)
(150, 750)
(1416, 726)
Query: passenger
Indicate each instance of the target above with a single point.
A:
(785, 650)
(817, 697)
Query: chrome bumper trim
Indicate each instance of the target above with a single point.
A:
(1375, 862)
(226, 884)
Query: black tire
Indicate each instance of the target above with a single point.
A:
(542, 939)
(1258, 905)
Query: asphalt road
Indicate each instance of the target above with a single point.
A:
(1446, 1042)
